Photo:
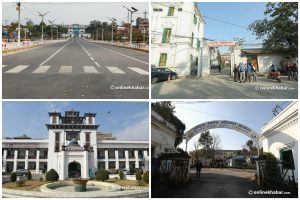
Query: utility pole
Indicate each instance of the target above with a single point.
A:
(57, 32)
(27, 19)
(132, 10)
(51, 24)
(102, 33)
(18, 8)
(96, 33)
(42, 15)
(113, 20)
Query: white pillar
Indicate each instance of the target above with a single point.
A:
(62, 174)
(117, 158)
(136, 155)
(85, 167)
(15, 160)
(126, 160)
(4, 161)
(37, 162)
(106, 159)
(26, 158)
(146, 158)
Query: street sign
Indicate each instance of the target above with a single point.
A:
(221, 44)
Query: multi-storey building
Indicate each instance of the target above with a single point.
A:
(73, 149)
(177, 31)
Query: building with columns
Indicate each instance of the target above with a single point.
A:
(74, 148)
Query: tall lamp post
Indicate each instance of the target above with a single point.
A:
(27, 19)
(18, 8)
(132, 10)
(113, 20)
(51, 22)
(42, 15)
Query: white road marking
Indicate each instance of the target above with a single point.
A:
(4, 66)
(55, 53)
(115, 70)
(17, 69)
(96, 63)
(65, 69)
(92, 58)
(90, 69)
(138, 70)
(42, 69)
(120, 54)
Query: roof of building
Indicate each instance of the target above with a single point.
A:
(23, 137)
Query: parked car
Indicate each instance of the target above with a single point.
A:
(162, 74)
(22, 172)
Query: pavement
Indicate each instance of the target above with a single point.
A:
(223, 87)
(76, 69)
(215, 183)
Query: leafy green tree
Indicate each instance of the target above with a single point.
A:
(279, 29)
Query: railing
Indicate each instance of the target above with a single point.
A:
(142, 46)
(14, 45)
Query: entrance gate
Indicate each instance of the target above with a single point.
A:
(74, 170)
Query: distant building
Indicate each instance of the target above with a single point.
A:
(142, 24)
(76, 30)
(177, 31)
(280, 137)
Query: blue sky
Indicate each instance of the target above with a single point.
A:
(242, 14)
(252, 114)
(127, 120)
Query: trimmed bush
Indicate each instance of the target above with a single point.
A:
(138, 177)
(121, 175)
(29, 176)
(13, 177)
(102, 175)
(146, 177)
(52, 175)
(20, 183)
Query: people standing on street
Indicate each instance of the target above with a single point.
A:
(295, 71)
(289, 70)
(198, 168)
(254, 74)
(220, 69)
(242, 68)
(249, 72)
(235, 72)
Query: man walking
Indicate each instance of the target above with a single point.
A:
(235, 72)
(198, 168)
(242, 68)
(249, 72)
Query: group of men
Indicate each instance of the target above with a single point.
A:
(243, 72)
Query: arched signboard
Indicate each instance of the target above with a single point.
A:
(222, 124)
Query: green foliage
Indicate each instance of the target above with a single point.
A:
(121, 175)
(138, 177)
(52, 175)
(146, 177)
(20, 183)
(102, 175)
(249, 143)
(279, 30)
(13, 177)
(206, 140)
(29, 176)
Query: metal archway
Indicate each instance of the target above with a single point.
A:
(222, 124)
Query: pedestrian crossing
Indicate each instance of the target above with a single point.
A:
(66, 69)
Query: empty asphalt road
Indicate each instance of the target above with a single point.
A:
(76, 69)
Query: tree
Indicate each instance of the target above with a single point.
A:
(249, 143)
(206, 140)
(279, 30)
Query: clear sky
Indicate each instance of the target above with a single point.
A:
(72, 13)
(126, 120)
(252, 114)
(238, 13)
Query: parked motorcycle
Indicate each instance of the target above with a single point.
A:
(274, 74)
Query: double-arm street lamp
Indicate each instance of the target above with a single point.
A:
(51, 22)
(113, 20)
(132, 10)
(42, 15)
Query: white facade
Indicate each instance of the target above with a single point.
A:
(177, 37)
(281, 135)
(163, 135)
(72, 149)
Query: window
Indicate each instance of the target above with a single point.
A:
(54, 120)
(198, 43)
(171, 11)
(286, 156)
(87, 138)
(57, 139)
(166, 35)
(192, 40)
(70, 135)
(90, 120)
(195, 19)
(163, 59)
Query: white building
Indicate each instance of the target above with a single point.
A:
(177, 31)
(280, 137)
(72, 149)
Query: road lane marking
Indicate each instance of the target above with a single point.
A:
(90, 69)
(17, 69)
(138, 70)
(4, 66)
(56, 53)
(65, 69)
(120, 53)
(42, 69)
(96, 63)
(92, 58)
(115, 70)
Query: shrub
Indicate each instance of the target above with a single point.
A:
(121, 175)
(41, 179)
(13, 177)
(52, 175)
(20, 183)
(146, 177)
(102, 175)
(29, 176)
(138, 177)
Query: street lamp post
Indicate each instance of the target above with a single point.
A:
(102, 33)
(132, 10)
(51, 24)
(113, 20)
(27, 19)
(42, 15)
(18, 8)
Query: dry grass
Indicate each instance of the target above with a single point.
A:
(125, 182)
(28, 186)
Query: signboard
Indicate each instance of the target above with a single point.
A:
(20, 146)
(221, 44)
(222, 124)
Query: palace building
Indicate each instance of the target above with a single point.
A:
(74, 148)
